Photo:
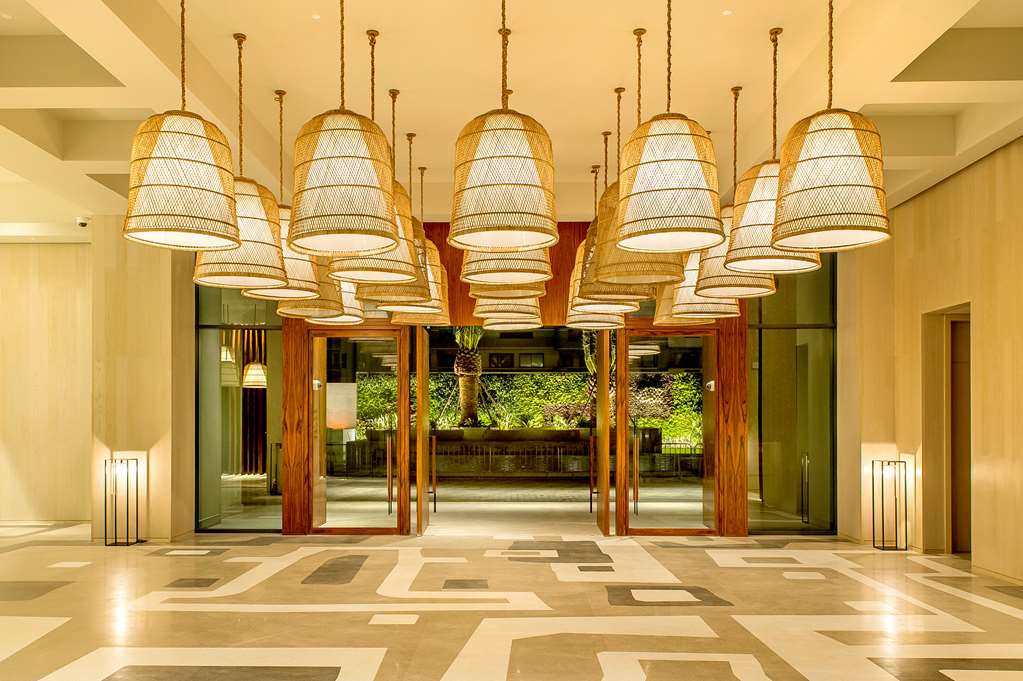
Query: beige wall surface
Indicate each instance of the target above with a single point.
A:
(45, 374)
(957, 244)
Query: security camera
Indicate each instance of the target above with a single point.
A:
(83, 220)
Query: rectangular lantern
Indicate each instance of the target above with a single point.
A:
(890, 508)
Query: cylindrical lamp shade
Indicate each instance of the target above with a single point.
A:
(507, 308)
(523, 267)
(534, 290)
(662, 311)
(351, 308)
(398, 265)
(259, 261)
(414, 291)
(181, 185)
(669, 188)
(519, 324)
(831, 188)
(343, 201)
(581, 304)
(254, 375)
(688, 303)
(590, 286)
(328, 304)
(750, 249)
(576, 319)
(717, 281)
(302, 282)
(637, 269)
(504, 185)
(437, 281)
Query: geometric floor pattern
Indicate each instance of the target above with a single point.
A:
(496, 608)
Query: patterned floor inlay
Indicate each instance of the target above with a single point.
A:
(523, 606)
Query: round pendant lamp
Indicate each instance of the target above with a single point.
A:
(297, 266)
(662, 312)
(581, 304)
(576, 319)
(644, 349)
(534, 290)
(668, 183)
(439, 317)
(688, 303)
(523, 267)
(520, 324)
(504, 178)
(756, 197)
(434, 270)
(181, 181)
(343, 201)
(352, 310)
(507, 308)
(831, 185)
(327, 304)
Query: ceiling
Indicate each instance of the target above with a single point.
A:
(943, 80)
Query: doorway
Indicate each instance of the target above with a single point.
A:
(959, 433)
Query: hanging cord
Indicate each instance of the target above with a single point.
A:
(595, 170)
(607, 135)
(422, 213)
(373, 35)
(618, 130)
(504, 55)
(775, 32)
(410, 136)
(279, 96)
(639, 32)
(394, 135)
(831, 49)
(669, 57)
(341, 44)
(183, 55)
(735, 136)
(240, 38)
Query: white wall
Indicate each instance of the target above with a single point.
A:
(45, 381)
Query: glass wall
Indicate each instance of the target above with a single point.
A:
(791, 405)
(238, 398)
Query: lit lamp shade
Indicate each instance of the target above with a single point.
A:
(750, 249)
(662, 311)
(637, 269)
(228, 368)
(343, 201)
(534, 290)
(297, 266)
(588, 320)
(439, 317)
(504, 185)
(644, 349)
(523, 267)
(416, 290)
(351, 313)
(581, 304)
(181, 185)
(436, 290)
(259, 261)
(717, 281)
(517, 324)
(398, 265)
(592, 288)
(254, 375)
(669, 188)
(831, 187)
(507, 308)
(688, 303)
(327, 304)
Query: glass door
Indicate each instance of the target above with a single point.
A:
(360, 431)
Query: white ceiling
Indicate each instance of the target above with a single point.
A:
(71, 139)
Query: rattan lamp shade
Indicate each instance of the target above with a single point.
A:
(328, 304)
(297, 266)
(750, 248)
(669, 188)
(343, 202)
(581, 304)
(662, 312)
(440, 318)
(398, 265)
(534, 290)
(717, 281)
(507, 308)
(414, 291)
(181, 185)
(259, 261)
(352, 312)
(254, 375)
(519, 324)
(523, 267)
(588, 320)
(592, 288)
(435, 291)
(504, 185)
(688, 303)
(636, 269)
(831, 187)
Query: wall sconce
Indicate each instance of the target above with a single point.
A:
(121, 501)
(890, 510)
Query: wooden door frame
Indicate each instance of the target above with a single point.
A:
(422, 429)
(296, 464)
(730, 501)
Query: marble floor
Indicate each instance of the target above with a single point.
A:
(539, 602)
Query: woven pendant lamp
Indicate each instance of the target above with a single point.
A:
(435, 293)
(504, 178)
(662, 312)
(259, 261)
(523, 267)
(520, 324)
(507, 308)
(181, 181)
(576, 319)
(831, 185)
(327, 304)
(581, 304)
(352, 312)
(342, 202)
(297, 266)
(688, 303)
(534, 290)
(440, 317)
(715, 280)
(668, 183)
(750, 248)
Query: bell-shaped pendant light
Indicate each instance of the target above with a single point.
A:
(259, 261)
(715, 280)
(343, 201)
(534, 290)
(433, 276)
(523, 267)
(254, 375)
(504, 178)
(439, 318)
(327, 304)
(352, 308)
(756, 197)
(831, 194)
(297, 266)
(588, 320)
(668, 185)
(507, 308)
(581, 304)
(665, 300)
(517, 324)
(181, 181)
(688, 303)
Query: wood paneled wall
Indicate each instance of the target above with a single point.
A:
(732, 515)
(296, 497)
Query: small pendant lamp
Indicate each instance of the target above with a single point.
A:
(507, 308)
(439, 318)
(576, 319)
(580, 304)
(343, 201)
(662, 312)
(433, 276)
(756, 196)
(522, 324)
(259, 261)
(688, 303)
(715, 280)
(668, 184)
(352, 312)
(254, 375)
(297, 266)
(181, 181)
(327, 304)
(504, 178)
(522, 267)
(534, 290)
(831, 187)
